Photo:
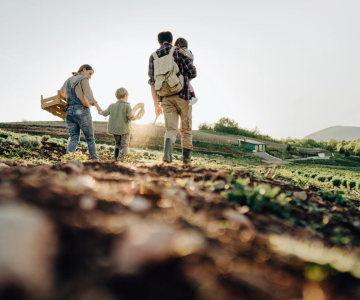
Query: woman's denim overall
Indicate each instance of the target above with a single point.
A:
(79, 117)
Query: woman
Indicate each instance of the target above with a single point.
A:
(77, 92)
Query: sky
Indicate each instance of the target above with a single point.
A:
(288, 67)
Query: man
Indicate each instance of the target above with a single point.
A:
(176, 105)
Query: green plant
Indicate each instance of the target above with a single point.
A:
(321, 179)
(351, 185)
(341, 150)
(45, 138)
(28, 141)
(74, 156)
(337, 198)
(347, 153)
(329, 178)
(10, 141)
(261, 198)
(336, 182)
(313, 175)
(344, 183)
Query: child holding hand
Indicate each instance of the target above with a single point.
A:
(119, 122)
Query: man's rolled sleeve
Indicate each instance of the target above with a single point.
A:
(88, 92)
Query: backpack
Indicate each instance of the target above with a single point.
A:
(168, 79)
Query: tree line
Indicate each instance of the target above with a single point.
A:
(230, 126)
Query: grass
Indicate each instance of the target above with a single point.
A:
(30, 144)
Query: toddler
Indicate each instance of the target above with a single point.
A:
(183, 44)
(119, 122)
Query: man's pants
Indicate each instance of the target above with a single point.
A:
(76, 119)
(173, 108)
(122, 142)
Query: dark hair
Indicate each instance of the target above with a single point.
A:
(86, 67)
(181, 42)
(165, 36)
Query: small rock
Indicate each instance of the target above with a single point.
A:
(77, 163)
(28, 248)
(139, 204)
(3, 166)
(237, 217)
(87, 202)
(23, 164)
(300, 195)
(73, 167)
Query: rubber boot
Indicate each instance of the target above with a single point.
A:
(186, 157)
(168, 148)
(116, 153)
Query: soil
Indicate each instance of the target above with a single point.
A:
(50, 151)
(117, 231)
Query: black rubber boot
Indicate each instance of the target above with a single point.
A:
(168, 148)
(187, 157)
(116, 153)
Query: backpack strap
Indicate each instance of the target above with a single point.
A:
(172, 50)
(155, 56)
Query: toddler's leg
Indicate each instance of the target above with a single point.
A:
(193, 97)
(125, 141)
(117, 146)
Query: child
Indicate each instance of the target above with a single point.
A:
(182, 43)
(119, 122)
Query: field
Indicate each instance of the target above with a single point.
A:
(229, 227)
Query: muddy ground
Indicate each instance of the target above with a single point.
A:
(112, 231)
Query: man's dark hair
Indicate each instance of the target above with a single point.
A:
(86, 67)
(165, 36)
(181, 42)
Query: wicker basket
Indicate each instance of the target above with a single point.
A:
(55, 105)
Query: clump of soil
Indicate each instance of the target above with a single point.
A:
(114, 231)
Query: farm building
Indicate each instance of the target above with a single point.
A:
(252, 145)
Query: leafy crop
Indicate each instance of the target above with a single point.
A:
(337, 198)
(260, 199)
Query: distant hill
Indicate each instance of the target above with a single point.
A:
(338, 133)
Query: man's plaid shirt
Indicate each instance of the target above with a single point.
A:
(187, 69)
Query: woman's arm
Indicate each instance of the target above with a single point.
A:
(89, 96)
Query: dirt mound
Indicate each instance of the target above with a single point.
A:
(107, 231)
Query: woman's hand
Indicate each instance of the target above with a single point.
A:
(97, 107)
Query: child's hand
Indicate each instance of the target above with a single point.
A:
(182, 52)
(100, 112)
